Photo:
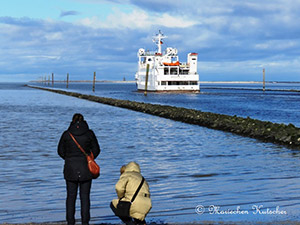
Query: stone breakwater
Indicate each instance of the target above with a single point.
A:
(287, 135)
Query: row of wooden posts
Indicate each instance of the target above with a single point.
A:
(146, 80)
(67, 81)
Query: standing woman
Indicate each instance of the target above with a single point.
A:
(76, 172)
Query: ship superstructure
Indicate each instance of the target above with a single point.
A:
(166, 72)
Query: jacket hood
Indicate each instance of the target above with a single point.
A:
(78, 128)
(133, 167)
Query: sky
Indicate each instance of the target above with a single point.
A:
(234, 39)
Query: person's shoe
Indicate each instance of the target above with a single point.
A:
(139, 223)
(130, 223)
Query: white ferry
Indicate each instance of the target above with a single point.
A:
(165, 72)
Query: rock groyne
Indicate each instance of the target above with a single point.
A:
(287, 135)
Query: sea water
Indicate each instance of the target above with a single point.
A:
(195, 173)
(230, 99)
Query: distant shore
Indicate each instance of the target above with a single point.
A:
(201, 82)
(249, 82)
(83, 81)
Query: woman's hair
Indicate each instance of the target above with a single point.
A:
(122, 169)
(77, 117)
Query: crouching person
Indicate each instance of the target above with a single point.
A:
(132, 187)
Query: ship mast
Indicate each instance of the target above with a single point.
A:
(158, 41)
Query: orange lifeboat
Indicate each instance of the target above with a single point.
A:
(172, 64)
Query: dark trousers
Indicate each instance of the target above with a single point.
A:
(72, 189)
(125, 219)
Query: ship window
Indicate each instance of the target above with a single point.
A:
(166, 71)
(183, 71)
(174, 71)
(163, 83)
(193, 82)
(193, 58)
(181, 82)
(149, 60)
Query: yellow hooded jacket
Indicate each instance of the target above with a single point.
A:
(126, 187)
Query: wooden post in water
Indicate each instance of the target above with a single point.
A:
(52, 79)
(94, 81)
(67, 80)
(264, 80)
(146, 80)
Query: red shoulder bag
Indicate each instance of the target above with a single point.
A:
(94, 168)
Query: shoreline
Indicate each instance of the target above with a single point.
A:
(191, 223)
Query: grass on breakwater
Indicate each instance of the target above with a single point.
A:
(287, 135)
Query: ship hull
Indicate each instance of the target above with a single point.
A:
(194, 88)
(167, 83)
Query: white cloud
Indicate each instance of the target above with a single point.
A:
(277, 45)
(42, 57)
(8, 29)
(137, 19)
(54, 36)
(167, 20)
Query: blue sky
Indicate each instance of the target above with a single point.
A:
(235, 39)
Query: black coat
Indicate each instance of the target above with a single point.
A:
(76, 168)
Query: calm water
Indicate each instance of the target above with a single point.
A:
(185, 165)
(275, 106)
